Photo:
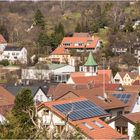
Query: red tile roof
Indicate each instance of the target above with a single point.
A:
(107, 71)
(60, 51)
(106, 132)
(134, 117)
(84, 40)
(87, 91)
(132, 100)
(98, 79)
(6, 100)
(137, 82)
(2, 40)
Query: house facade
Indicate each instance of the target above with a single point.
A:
(55, 72)
(53, 116)
(125, 124)
(15, 54)
(77, 43)
(125, 78)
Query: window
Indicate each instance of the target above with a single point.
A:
(66, 44)
(98, 124)
(119, 113)
(45, 112)
(88, 126)
(41, 97)
(13, 53)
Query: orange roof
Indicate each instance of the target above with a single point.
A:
(6, 99)
(104, 132)
(96, 132)
(108, 72)
(134, 117)
(2, 40)
(59, 51)
(98, 79)
(89, 92)
(84, 40)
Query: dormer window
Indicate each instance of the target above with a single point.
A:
(98, 124)
(87, 126)
(66, 44)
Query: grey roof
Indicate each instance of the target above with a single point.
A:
(13, 48)
(34, 87)
(16, 89)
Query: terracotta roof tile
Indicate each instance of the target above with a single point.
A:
(6, 99)
(106, 132)
(82, 90)
(2, 40)
(59, 51)
(131, 102)
(98, 79)
(134, 117)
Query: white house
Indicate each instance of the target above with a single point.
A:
(125, 124)
(15, 54)
(77, 114)
(57, 72)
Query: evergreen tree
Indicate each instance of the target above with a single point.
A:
(39, 19)
(137, 131)
(78, 28)
(43, 39)
(19, 124)
(23, 101)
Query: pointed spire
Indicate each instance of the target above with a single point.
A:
(90, 61)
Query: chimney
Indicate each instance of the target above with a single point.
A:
(105, 95)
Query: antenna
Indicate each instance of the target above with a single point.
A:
(105, 95)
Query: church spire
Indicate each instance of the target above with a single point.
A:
(90, 61)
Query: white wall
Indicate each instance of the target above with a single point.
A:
(2, 46)
(65, 69)
(32, 73)
(117, 76)
(112, 124)
(13, 56)
(130, 130)
(50, 119)
(136, 107)
(40, 96)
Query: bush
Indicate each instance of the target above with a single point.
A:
(4, 62)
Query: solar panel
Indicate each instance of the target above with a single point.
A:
(123, 97)
(80, 110)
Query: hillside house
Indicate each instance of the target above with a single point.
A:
(55, 72)
(125, 78)
(125, 124)
(15, 54)
(80, 42)
(59, 115)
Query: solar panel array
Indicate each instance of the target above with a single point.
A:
(123, 97)
(80, 110)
